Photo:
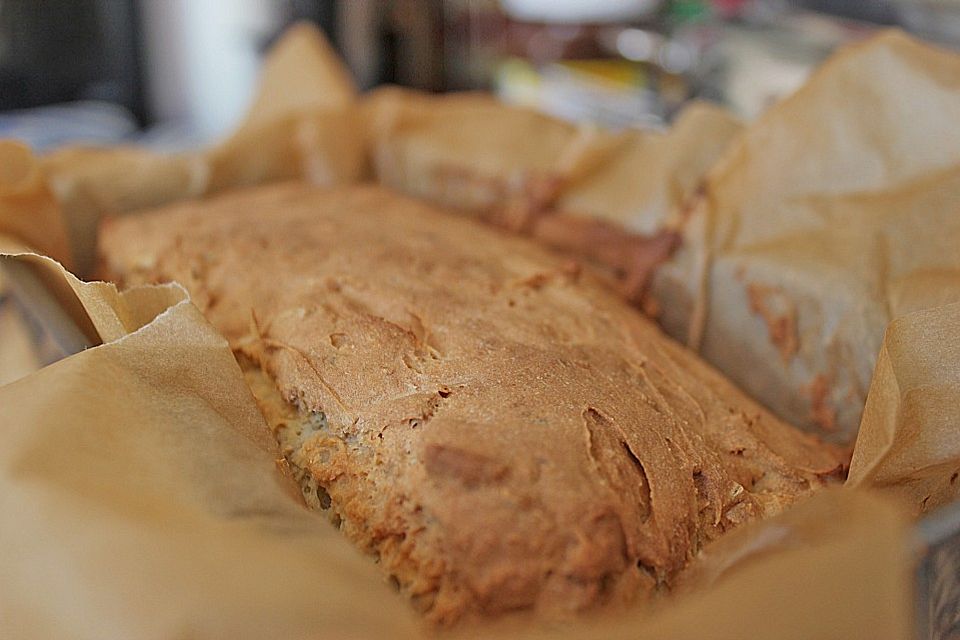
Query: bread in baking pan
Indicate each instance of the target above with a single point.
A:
(486, 418)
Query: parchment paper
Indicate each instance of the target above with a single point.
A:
(833, 567)
(304, 121)
(22, 351)
(90, 183)
(301, 72)
(18, 349)
(473, 153)
(833, 214)
(141, 499)
(647, 178)
(29, 212)
(147, 504)
(909, 441)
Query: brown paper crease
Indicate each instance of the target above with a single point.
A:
(142, 500)
(833, 214)
(909, 441)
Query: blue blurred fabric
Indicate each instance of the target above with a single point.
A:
(45, 128)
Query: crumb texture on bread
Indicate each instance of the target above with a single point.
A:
(500, 430)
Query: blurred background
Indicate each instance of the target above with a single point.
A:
(175, 73)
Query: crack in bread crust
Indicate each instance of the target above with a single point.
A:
(501, 435)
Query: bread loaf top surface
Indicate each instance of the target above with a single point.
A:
(499, 429)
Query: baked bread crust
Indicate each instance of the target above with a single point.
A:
(495, 425)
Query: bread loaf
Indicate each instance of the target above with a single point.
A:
(488, 420)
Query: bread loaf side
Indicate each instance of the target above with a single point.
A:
(495, 426)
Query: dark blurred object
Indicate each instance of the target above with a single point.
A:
(935, 20)
(392, 42)
(323, 13)
(881, 12)
(432, 45)
(473, 34)
(53, 51)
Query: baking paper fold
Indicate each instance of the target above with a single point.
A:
(834, 567)
(301, 72)
(835, 213)
(304, 121)
(909, 441)
(141, 498)
(54, 203)
(648, 176)
(473, 153)
(93, 182)
(30, 218)
(19, 352)
(29, 211)
(22, 350)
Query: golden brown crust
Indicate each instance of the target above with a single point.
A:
(499, 428)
